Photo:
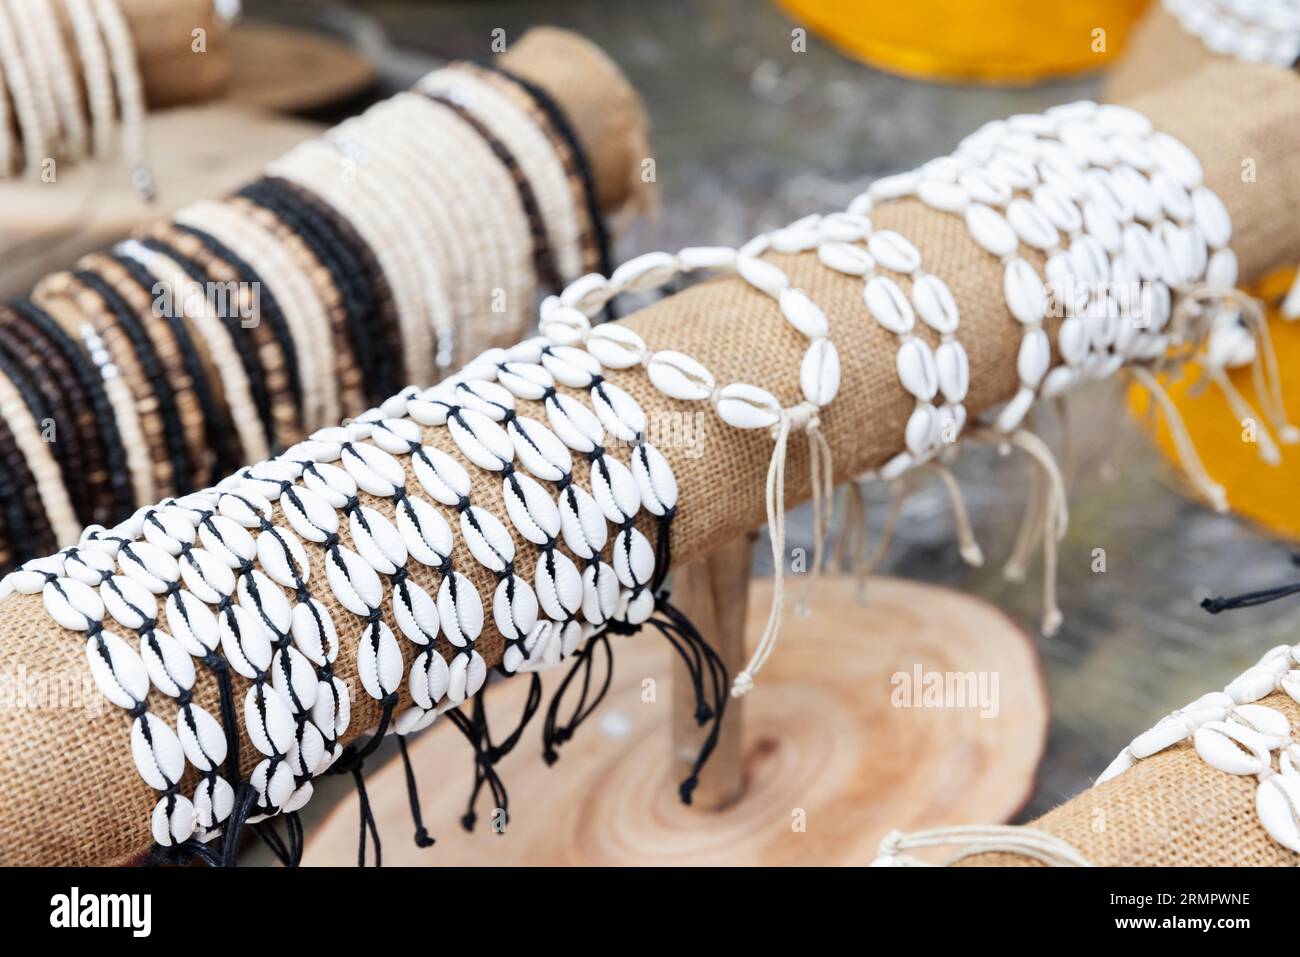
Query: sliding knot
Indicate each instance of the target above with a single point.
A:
(804, 417)
(743, 684)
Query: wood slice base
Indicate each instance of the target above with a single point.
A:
(829, 764)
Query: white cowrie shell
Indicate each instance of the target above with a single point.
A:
(274, 784)
(1221, 270)
(1031, 225)
(282, 556)
(353, 581)
(129, 602)
(331, 483)
(654, 478)
(441, 476)
(802, 313)
(1138, 193)
(213, 801)
(1173, 197)
(1277, 804)
(310, 515)
(558, 585)
(313, 631)
(431, 406)
(582, 522)
(706, 257)
(424, 531)
(934, 303)
(531, 509)
(640, 608)
(118, 671)
(762, 275)
(1175, 159)
(430, 677)
(259, 595)
(990, 229)
(1231, 748)
(1017, 170)
(1141, 251)
(1024, 291)
(88, 567)
(488, 540)
(413, 720)
(268, 721)
(524, 380)
(489, 398)
(467, 672)
(573, 423)
(921, 430)
(1058, 209)
(845, 227)
(201, 737)
(1165, 734)
(819, 372)
(72, 604)
(888, 305)
(599, 593)
(1058, 381)
(156, 751)
(539, 450)
(514, 607)
(377, 540)
(845, 258)
(460, 610)
(1072, 340)
(1251, 685)
(244, 641)
(745, 406)
(565, 325)
(415, 612)
(1211, 217)
(168, 530)
(227, 540)
(306, 756)
(379, 661)
(173, 820)
(614, 489)
(333, 710)
(647, 271)
(294, 679)
(615, 346)
(170, 668)
(192, 623)
(943, 196)
(1102, 225)
(1123, 761)
(953, 368)
(678, 376)
(571, 367)
(480, 440)
(149, 565)
(1269, 722)
(984, 187)
(893, 251)
(373, 469)
(588, 293)
(1088, 256)
(1122, 119)
(1179, 251)
(1034, 357)
(634, 559)
(619, 413)
(916, 368)
(892, 187)
(206, 575)
(1013, 413)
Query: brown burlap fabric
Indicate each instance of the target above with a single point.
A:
(1158, 51)
(68, 791)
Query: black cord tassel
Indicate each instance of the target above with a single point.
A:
(484, 772)
(351, 762)
(245, 798)
(422, 838)
(553, 734)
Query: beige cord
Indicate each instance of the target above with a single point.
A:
(1183, 444)
(978, 839)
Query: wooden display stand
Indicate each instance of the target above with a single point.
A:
(813, 768)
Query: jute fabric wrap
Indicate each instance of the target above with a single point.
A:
(70, 793)
(1158, 51)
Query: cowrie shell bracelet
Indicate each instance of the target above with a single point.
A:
(1258, 31)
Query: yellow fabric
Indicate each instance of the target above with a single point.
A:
(991, 41)
(1266, 494)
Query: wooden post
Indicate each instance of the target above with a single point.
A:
(714, 594)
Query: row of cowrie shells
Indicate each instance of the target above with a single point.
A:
(353, 578)
(1237, 736)
(1258, 31)
(1082, 170)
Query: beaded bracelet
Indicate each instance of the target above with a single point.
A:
(130, 92)
(24, 96)
(97, 76)
(24, 511)
(47, 478)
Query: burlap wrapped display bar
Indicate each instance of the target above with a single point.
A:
(70, 792)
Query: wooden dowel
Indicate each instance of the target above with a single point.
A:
(714, 594)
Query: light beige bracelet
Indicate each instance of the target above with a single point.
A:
(534, 153)
(67, 92)
(130, 92)
(98, 76)
(502, 242)
(309, 325)
(139, 462)
(30, 125)
(243, 412)
(38, 69)
(40, 460)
